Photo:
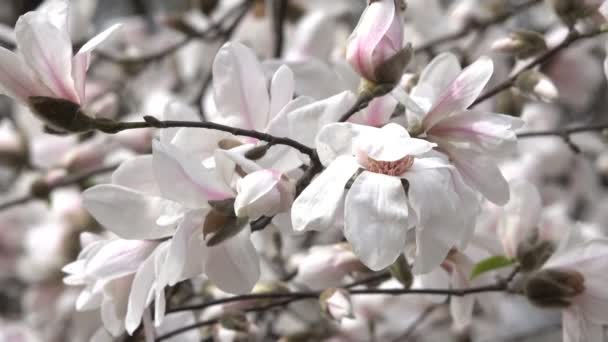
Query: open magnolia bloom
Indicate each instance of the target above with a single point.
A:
(576, 280)
(117, 276)
(472, 138)
(44, 65)
(399, 183)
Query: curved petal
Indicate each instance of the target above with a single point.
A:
(376, 215)
(53, 66)
(114, 206)
(233, 265)
(137, 174)
(176, 110)
(239, 85)
(342, 139)
(16, 79)
(437, 76)
(282, 88)
(258, 195)
(118, 258)
(185, 180)
(462, 92)
(317, 206)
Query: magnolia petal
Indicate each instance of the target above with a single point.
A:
(16, 80)
(376, 215)
(234, 265)
(372, 27)
(137, 173)
(317, 206)
(258, 195)
(198, 142)
(437, 76)
(461, 308)
(481, 173)
(113, 207)
(139, 298)
(52, 66)
(343, 139)
(118, 258)
(305, 122)
(186, 252)
(519, 216)
(178, 111)
(282, 88)
(82, 60)
(185, 180)
(239, 85)
(488, 132)
(576, 328)
(462, 92)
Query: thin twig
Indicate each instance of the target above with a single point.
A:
(476, 26)
(68, 180)
(564, 131)
(573, 37)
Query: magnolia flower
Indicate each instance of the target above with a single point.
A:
(376, 48)
(118, 277)
(470, 137)
(263, 193)
(581, 273)
(376, 210)
(44, 65)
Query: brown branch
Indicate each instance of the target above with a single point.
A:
(573, 37)
(44, 188)
(477, 26)
(564, 131)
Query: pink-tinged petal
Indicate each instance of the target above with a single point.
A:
(82, 60)
(184, 179)
(57, 13)
(282, 87)
(343, 139)
(488, 132)
(481, 173)
(377, 113)
(461, 93)
(53, 66)
(239, 85)
(437, 76)
(234, 266)
(375, 22)
(317, 207)
(16, 79)
(113, 207)
(376, 216)
(258, 195)
(577, 328)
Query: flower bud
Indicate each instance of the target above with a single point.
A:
(522, 44)
(554, 287)
(60, 115)
(263, 193)
(376, 49)
(533, 252)
(537, 86)
(569, 11)
(336, 304)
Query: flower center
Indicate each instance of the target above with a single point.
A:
(392, 168)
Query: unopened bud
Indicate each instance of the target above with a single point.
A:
(522, 44)
(61, 116)
(570, 11)
(537, 86)
(336, 304)
(235, 321)
(554, 287)
(532, 252)
(402, 271)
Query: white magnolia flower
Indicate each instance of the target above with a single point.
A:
(118, 278)
(470, 137)
(44, 65)
(377, 211)
(584, 318)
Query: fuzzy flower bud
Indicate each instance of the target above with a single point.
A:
(569, 11)
(537, 86)
(554, 287)
(522, 44)
(376, 49)
(336, 304)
